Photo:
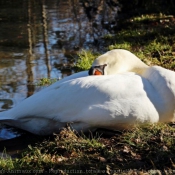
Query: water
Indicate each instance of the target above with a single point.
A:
(40, 39)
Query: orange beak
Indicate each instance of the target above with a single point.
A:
(97, 70)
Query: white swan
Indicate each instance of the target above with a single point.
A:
(130, 92)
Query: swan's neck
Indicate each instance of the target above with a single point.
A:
(140, 70)
(121, 66)
(120, 61)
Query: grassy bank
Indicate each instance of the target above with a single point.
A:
(144, 150)
(140, 150)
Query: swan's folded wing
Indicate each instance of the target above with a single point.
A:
(93, 101)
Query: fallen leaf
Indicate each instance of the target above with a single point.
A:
(102, 159)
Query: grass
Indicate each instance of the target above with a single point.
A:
(85, 60)
(149, 149)
(150, 37)
(46, 81)
(142, 148)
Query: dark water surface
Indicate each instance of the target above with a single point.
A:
(40, 39)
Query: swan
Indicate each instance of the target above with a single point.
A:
(125, 92)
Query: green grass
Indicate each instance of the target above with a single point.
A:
(85, 60)
(6, 161)
(46, 82)
(142, 148)
(150, 37)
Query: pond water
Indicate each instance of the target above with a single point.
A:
(40, 39)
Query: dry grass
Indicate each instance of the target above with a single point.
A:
(150, 147)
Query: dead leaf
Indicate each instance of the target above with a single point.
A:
(102, 159)
(126, 149)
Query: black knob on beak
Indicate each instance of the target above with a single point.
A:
(91, 70)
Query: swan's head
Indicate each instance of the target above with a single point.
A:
(117, 61)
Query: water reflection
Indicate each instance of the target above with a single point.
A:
(39, 38)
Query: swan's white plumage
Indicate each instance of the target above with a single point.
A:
(163, 81)
(109, 101)
(87, 102)
(119, 61)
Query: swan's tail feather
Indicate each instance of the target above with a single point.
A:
(4, 117)
(6, 120)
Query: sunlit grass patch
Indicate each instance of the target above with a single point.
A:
(85, 59)
(6, 161)
(124, 45)
(46, 81)
(153, 16)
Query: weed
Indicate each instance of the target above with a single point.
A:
(46, 81)
(85, 60)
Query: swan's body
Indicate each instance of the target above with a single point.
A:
(109, 101)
